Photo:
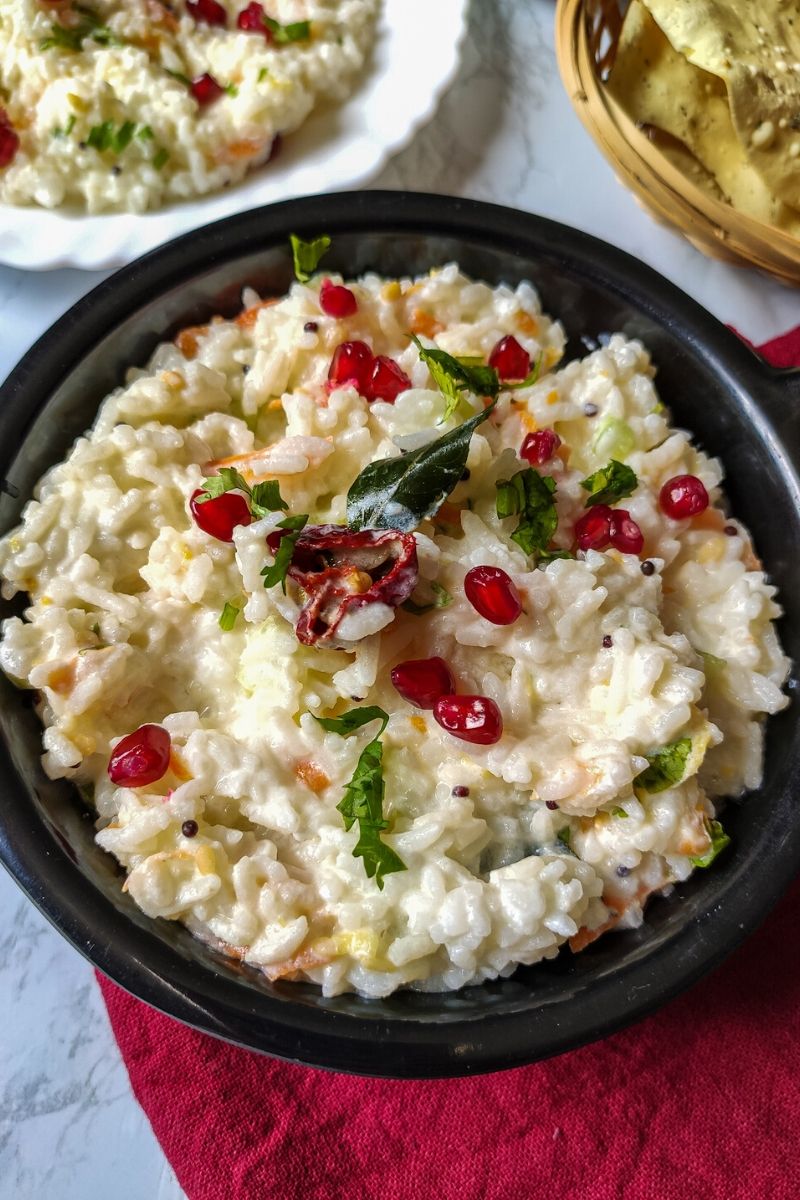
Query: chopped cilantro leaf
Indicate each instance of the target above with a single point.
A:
(619, 812)
(666, 766)
(564, 836)
(350, 721)
(711, 662)
(144, 133)
(266, 498)
(363, 795)
(99, 137)
(67, 130)
(297, 31)
(609, 484)
(108, 137)
(453, 376)
(122, 138)
(548, 556)
(719, 840)
(443, 597)
(226, 479)
(530, 495)
(441, 600)
(276, 571)
(160, 158)
(307, 255)
(231, 89)
(88, 26)
(262, 75)
(262, 498)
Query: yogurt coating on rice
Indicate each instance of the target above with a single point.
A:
(109, 106)
(632, 699)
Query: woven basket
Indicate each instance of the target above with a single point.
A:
(587, 34)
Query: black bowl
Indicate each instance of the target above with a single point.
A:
(737, 407)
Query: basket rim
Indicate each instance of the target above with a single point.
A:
(644, 169)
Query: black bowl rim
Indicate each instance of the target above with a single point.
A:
(342, 1042)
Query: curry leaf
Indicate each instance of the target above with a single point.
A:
(400, 493)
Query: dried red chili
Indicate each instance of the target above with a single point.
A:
(342, 570)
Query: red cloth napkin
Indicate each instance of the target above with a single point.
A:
(699, 1102)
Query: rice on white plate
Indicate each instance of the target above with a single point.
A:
(592, 731)
(106, 106)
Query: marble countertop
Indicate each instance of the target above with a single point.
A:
(70, 1128)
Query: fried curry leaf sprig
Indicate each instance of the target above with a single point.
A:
(400, 493)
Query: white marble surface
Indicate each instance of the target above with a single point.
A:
(69, 1126)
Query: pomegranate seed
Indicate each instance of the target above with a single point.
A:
(683, 496)
(9, 141)
(351, 363)
(337, 301)
(207, 11)
(141, 757)
(220, 515)
(492, 593)
(474, 719)
(251, 20)
(538, 448)
(205, 89)
(593, 530)
(509, 359)
(625, 533)
(421, 681)
(387, 380)
(9, 144)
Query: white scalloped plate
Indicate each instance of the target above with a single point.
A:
(415, 58)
